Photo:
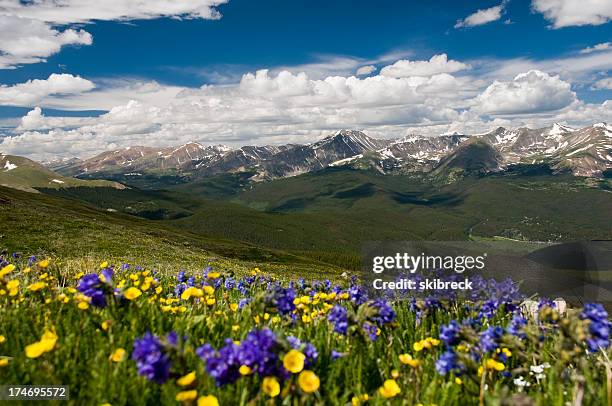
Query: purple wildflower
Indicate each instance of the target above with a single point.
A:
(449, 334)
(151, 359)
(92, 286)
(599, 326)
(338, 316)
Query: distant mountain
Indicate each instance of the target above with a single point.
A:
(321, 154)
(475, 156)
(24, 174)
(583, 152)
(62, 164)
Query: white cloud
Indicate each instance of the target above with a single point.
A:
(83, 11)
(24, 40)
(603, 84)
(278, 107)
(531, 92)
(340, 65)
(437, 64)
(481, 17)
(567, 13)
(365, 70)
(115, 92)
(33, 120)
(574, 68)
(34, 91)
(29, 33)
(604, 46)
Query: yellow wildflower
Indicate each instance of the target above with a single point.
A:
(433, 341)
(407, 359)
(37, 286)
(2, 339)
(186, 395)
(132, 293)
(389, 389)
(46, 344)
(43, 264)
(492, 364)
(4, 362)
(214, 275)
(421, 345)
(13, 287)
(458, 381)
(293, 361)
(245, 370)
(191, 292)
(357, 400)
(233, 306)
(118, 355)
(209, 400)
(209, 290)
(309, 382)
(6, 270)
(104, 265)
(186, 380)
(270, 386)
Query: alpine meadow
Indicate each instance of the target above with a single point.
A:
(208, 202)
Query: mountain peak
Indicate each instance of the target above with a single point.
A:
(558, 129)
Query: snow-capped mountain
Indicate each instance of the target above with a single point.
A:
(584, 152)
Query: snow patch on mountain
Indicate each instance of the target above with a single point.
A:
(8, 166)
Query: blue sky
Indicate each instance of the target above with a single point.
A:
(117, 54)
(259, 34)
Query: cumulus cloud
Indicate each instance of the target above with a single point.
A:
(23, 40)
(603, 84)
(365, 70)
(33, 120)
(278, 107)
(29, 31)
(36, 90)
(436, 64)
(530, 92)
(481, 17)
(567, 13)
(604, 46)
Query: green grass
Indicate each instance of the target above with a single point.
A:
(80, 357)
(327, 215)
(41, 224)
(29, 176)
(309, 226)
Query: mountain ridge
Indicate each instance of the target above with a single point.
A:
(585, 151)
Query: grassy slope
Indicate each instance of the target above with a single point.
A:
(29, 175)
(327, 215)
(539, 207)
(46, 225)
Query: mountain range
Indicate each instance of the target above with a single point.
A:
(582, 152)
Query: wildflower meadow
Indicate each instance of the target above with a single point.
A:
(121, 334)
